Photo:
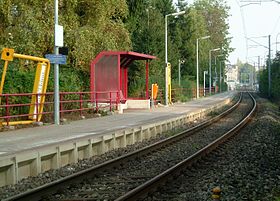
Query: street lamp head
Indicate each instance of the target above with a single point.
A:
(217, 49)
(179, 13)
(205, 37)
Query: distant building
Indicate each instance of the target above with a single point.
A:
(232, 76)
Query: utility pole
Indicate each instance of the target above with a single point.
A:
(220, 77)
(56, 70)
(269, 67)
(179, 72)
(204, 80)
(259, 71)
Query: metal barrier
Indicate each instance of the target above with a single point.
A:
(16, 107)
(13, 108)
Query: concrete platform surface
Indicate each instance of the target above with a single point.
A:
(32, 138)
(31, 151)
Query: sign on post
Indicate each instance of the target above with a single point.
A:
(56, 59)
(58, 38)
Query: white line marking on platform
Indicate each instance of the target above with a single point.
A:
(83, 134)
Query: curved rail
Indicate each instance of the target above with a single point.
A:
(37, 193)
(160, 179)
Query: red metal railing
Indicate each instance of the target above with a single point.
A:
(15, 107)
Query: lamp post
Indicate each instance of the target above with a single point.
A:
(166, 52)
(269, 67)
(56, 70)
(210, 69)
(220, 74)
(204, 77)
(197, 66)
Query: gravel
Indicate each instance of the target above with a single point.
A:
(246, 168)
(114, 182)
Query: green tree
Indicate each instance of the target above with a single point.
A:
(275, 79)
(90, 26)
(216, 13)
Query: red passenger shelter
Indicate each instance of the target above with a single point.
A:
(109, 74)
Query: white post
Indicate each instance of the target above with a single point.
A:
(179, 72)
(197, 71)
(56, 72)
(197, 66)
(210, 69)
(220, 76)
(204, 80)
(166, 62)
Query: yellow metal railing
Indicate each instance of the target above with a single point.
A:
(39, 87)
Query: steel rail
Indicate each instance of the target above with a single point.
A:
(52, 187)
(151, 185)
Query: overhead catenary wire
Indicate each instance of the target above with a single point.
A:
(244, 27)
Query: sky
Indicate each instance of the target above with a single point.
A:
(254, 21)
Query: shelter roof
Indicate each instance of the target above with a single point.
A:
(126, 57)
(130, 55)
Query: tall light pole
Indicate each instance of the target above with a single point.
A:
(220, 74)
(210, 69)
(204, 78)
(56, 70)
(269, 61)
(197, 66)
(166, 53)
(269, 67)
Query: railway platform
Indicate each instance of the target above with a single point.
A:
(30, 151)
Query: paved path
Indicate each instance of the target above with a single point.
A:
(30, 138)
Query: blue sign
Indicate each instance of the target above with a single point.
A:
(56, 59)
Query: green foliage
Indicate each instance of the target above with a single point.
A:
(275, 79)
(146, 22)
(184, 92)
(90, 26)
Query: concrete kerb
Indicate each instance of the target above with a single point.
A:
(17, 166)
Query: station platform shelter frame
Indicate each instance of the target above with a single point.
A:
(109, 74)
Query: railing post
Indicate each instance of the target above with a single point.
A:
(92, 100)
(118, 100)
(81, 104)
(37, 107)
(96, 101)
(7, 110)
(110, 101)
(61, 105)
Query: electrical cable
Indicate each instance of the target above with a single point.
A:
(244, 28)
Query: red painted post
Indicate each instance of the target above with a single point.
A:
(96, 101)
(81, 104)
(147, 79)
(110, 101)
(118, 100)
(7, 110)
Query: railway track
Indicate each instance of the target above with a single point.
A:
(132, 176)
